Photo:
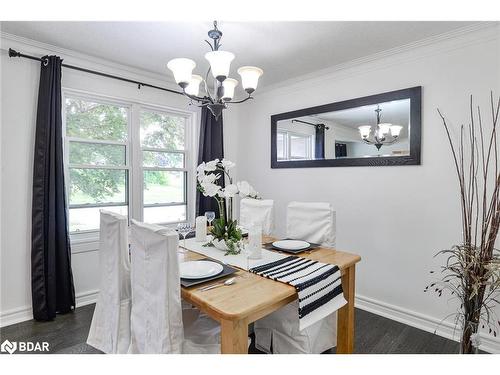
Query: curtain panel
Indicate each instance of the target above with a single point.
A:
(211, 146)
(319, 149)
(51, 276)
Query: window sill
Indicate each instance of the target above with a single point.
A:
(84, 242)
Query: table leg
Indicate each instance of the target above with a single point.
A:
(345, 315)
(234, 336)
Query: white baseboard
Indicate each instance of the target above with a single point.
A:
(23, 314)
(424, 322)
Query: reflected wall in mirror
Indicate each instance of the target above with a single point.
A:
(381, 129)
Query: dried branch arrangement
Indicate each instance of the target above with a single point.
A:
(471, 271)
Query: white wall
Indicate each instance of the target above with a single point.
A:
(19, 90)
(396, 218)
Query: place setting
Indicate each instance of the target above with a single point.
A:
(196, 272)
(291, 246)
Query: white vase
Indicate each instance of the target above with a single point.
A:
(220, 244)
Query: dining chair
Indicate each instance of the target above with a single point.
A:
(258, 211)
(312, 222)
(110, 327)
(159, 323)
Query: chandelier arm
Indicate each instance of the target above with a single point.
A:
(211, 47)
(206, 85)
(197, 98)
(239, 101)
(380, 142)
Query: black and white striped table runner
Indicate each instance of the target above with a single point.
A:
(319, 285)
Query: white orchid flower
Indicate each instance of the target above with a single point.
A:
(246, 190)
(200, 169)
(210, 189)
(211, 165)
(227, 164)
(230, 191)
(209, 178)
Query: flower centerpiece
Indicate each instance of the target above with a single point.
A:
(225, 232)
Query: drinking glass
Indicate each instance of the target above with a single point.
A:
(184, 229)
(210, 215)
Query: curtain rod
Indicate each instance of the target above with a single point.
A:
(14, 53)
(310, 123)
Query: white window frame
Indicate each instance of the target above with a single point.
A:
(287, 144)
(133, 157)
(188, 163)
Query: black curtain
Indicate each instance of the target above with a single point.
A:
(51, 277)
(319, 149)
(211, 146)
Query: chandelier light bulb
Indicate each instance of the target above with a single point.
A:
(384, 129)
(220, 63)
(365, 131)
(396, 130)
(182, 69)
(229, 85)
(250, 77)
(193, 88)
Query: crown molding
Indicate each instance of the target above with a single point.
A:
(30, 46)
(459, 38)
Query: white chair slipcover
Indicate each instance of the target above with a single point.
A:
(110, 327)
(258, 211)
(312, 222)
(159, 324)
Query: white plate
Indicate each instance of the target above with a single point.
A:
(199, 269)
(291, 244)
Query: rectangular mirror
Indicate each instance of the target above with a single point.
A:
(377, 130)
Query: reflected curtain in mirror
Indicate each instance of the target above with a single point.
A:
(319, 147)
(51, 276)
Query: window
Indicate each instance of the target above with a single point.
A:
(102, 138)
(294, 146)
(97, 142)
(163, 138)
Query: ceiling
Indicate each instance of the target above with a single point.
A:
(284, 50)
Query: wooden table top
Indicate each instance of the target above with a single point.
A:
(253, 296)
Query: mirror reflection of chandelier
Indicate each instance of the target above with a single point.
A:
(223, 87)
(381, 134)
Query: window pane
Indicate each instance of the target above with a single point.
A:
(162, 159)
(96, 154)
(162, 131)
(163, 187)
(86, 119)
(280, 145)
(91, 186)
(298, 147)
(167, 214)
(88, 218)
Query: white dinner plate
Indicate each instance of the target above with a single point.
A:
(199, 269)
(291, 244)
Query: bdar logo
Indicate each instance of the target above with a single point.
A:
(9, 347)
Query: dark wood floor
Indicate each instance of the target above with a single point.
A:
(374, 334)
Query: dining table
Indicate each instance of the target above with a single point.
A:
(252, 297)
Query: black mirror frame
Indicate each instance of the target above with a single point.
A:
(413, 93)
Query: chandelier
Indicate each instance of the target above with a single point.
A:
(380, 135)
(222, 92)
